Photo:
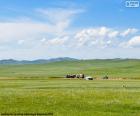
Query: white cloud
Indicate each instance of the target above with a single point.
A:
(31, 33)
(97, 37)
(113, 34)
(43, 39)
(56, 15)
(103, 31)
(104, 37)
(57, 41)
(54, 37)
(27, 30)
(128, 32)
(59, 17)
(17, 31)
(133, 42)
(57, 20)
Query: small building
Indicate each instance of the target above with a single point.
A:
(88, 78)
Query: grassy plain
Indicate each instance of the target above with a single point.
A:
(114, 68)
(71, 97)
(36, 88)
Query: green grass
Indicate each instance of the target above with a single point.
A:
(36, 88)
(96, 68)
(64, 97)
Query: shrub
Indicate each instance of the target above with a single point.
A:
(105, 77)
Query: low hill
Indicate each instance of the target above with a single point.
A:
(39, 61)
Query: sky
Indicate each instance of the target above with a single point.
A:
(83, 29)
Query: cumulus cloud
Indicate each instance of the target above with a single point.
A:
(128, 32)
(113, 34)
(97, 37)
(103, 37)
(133, 42)
(54, 33)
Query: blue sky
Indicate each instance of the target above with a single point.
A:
(34, 29)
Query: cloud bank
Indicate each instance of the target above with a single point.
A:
(55, 37)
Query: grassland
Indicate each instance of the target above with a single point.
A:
(36, 88)
(71, 97)
(97, 68)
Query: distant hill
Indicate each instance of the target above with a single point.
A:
(39, 61)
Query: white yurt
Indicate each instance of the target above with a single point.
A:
(88, 78)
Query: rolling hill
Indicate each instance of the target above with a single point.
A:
(39, 61)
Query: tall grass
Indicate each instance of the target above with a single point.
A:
(71, 97)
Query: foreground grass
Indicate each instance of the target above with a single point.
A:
(64, 97)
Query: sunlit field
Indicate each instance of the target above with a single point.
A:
(43, 89)
(64, 97)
